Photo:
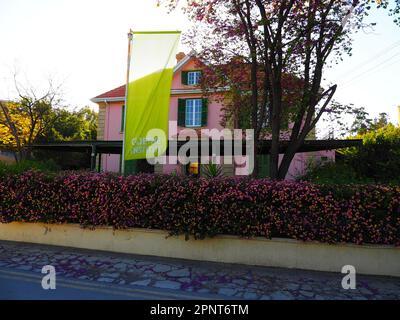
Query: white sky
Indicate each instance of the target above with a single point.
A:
(371, 76)
(84, 44)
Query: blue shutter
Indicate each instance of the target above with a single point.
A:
(204, 112)
(184, 77)
(181, 112)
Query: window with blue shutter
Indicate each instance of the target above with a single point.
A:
(193, 114)
(193, 78)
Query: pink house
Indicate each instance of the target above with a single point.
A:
(190, 110)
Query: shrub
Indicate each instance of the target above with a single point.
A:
(211, 170)
(334, 173)
(379, 157)
(206, 207)
(25, 165)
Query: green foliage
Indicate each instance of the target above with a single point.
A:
(379, 156)
(376, 161)
(333, 173)
(69, 126)
(30, 121)
(211, 170)
(47, 166)
(363, 124)
(72, 125)
(66, 160)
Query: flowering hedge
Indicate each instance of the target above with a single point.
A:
(202, 208)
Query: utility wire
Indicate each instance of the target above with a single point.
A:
(373, 69)
(379, 54)
(389, 65)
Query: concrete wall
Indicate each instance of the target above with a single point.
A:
(367, 259)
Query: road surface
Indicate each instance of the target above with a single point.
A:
(86, 274)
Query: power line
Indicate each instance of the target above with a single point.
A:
(379, 54)
(374, 68)
(395, 62)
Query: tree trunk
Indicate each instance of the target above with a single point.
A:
(275, 132)
(256, 160)
(286, 161)
(274, 152)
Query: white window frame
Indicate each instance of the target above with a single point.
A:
(193, 78)
(193, 113)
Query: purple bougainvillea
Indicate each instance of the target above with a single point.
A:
(204, 208)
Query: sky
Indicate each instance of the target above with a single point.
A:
(370, 78)
(83, 45)
(79, 43)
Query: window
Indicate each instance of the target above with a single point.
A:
(193, 112)
(193, 78)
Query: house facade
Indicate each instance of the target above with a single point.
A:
(189, 108)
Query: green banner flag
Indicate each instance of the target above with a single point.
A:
(151, 60)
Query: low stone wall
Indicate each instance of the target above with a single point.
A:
(367, 259)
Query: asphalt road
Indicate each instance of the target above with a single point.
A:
(86, 274)
(22, 285)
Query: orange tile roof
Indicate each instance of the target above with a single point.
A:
(114, 93)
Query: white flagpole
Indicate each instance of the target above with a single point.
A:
(130, 35)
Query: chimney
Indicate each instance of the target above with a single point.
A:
(180, 56)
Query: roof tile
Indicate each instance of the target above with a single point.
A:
(114, 93)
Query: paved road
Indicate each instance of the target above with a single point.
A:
(22, 285)
(84, 274)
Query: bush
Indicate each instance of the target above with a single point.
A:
(379, 157)
(334, 173)
(65, 160)
(25, 165)
(206, 207)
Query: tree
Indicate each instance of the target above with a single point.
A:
(13, 127)
(28, 117)
(68, 125)
(363, 123)
(34, 118)
(379, 156)
(275, 39)
(381, 121)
